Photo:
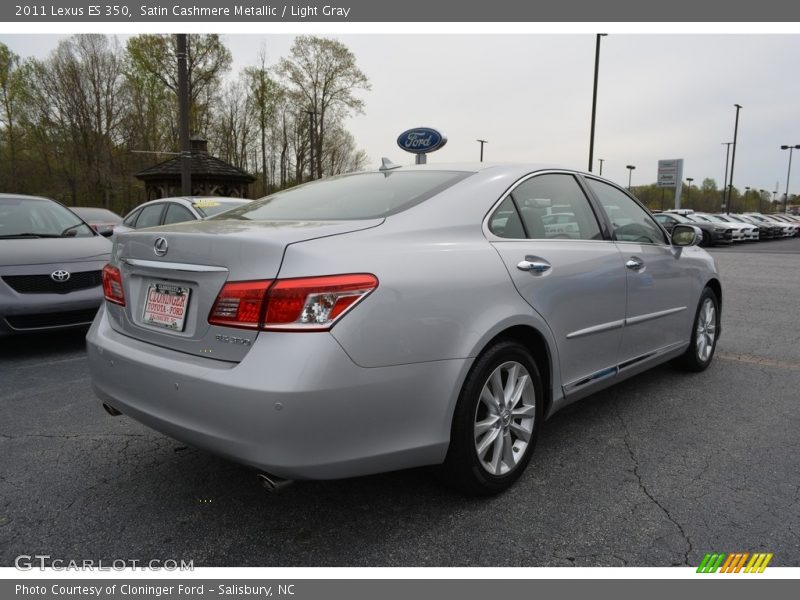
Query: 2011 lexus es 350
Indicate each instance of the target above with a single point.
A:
(396, 318)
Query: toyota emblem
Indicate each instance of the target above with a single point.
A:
(60, 276)
(161, 246)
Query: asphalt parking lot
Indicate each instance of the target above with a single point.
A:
(656, 471)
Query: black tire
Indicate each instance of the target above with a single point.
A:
(463, 466)
(694, 359)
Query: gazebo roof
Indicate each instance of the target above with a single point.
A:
(204, 166)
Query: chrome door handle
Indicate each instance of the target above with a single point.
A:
(537, 266)
(634, 264)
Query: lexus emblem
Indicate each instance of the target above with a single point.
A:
(161, 246)
(60, 276)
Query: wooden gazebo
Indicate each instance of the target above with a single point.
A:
(210, 176)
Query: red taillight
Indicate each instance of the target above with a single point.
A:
(112, 285)
(305, 304)
(240, 304)
(314, 303)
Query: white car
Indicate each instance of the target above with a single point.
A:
(741, 232)
(166, 211)
(787, 229)
(747, 231)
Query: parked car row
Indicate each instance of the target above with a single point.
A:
(51, 256)
(721, 229)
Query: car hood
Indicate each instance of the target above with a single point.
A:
(38, 251)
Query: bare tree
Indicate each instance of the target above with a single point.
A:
(322, 77)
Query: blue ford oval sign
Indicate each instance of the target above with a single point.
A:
(421, 140)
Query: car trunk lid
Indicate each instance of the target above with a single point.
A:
(172, 275)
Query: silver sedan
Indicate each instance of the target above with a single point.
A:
(397, 318)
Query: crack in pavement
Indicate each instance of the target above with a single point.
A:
(647, 493)
(69, 436)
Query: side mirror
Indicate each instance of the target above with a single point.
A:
(107, 232)
(686, 235)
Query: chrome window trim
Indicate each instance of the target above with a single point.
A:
(495, 238)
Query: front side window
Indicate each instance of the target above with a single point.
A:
(553, 206)
(631, 223)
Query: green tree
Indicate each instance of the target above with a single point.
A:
(11, 86)
(208, 61)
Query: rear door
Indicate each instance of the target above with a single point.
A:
(577, 284)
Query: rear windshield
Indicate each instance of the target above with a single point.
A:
(354, 196)
(209, 208)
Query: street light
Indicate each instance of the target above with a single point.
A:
(733, 156)
(760, 198)
(788, 174)
(725, 181)
(594, 97)
(601, 161)
(482, 142)
(689, 191)
(630, 173)
(746, 192)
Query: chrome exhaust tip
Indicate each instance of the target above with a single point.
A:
(111, 410)
(273, 484)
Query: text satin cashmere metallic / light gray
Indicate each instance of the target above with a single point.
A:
(379, 390)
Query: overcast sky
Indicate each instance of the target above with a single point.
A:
(529, 95)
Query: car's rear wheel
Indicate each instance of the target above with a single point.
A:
(705, 334)
(496, 420)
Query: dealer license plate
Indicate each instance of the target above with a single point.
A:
(165, 306)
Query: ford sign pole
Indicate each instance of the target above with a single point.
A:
(420, 141)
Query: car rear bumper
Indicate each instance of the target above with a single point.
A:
(296, 406)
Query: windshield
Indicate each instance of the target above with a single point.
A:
(712, 218)
(354, 196)
(37, 218)
(696, 219)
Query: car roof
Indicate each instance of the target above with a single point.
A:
(25, 197)
(473, 167)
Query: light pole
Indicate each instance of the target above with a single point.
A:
(594, 98)
(746, 194)
(788, 174)
(630, 173)
(725, 181)
(601, 161)
(183, 113)
(482, 142)
(689, 190)
(733, 156)
(760, 199)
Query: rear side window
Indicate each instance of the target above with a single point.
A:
(505, 221)
(553, 206)
(354, 196)
(130, 220)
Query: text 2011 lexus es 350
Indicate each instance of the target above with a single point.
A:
(396, 318)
